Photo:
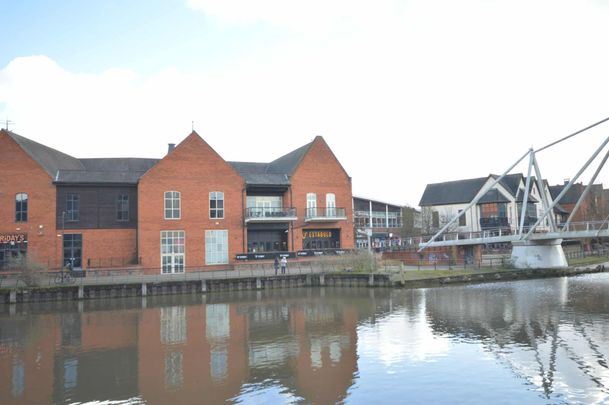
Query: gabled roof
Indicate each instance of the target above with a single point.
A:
(452, 192)
(49, 159)
(277, 172)
(493, 196)
(571, 196)
(107, 170)
(286, 164)
(464, 191)
(66, 169)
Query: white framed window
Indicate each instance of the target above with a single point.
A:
(173, 256)
(172, 205)
(330, 205)
(216, 247)
(216, 204)
(311, 205)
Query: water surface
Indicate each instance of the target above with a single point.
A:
(522, 342)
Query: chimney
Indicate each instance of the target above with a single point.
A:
(566, 181)
(170, 147)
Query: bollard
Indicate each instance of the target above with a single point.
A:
(144, 289)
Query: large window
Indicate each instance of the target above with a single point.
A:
(216, 247)
(462, 219)
(172, 252)
(21, 207)
(72, 250)
(216, 204)
(311, 205)
(72, 207)
(172, 205)
(330, 205)
(122, 207)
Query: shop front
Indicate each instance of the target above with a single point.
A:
(13, 250)
(316, 239)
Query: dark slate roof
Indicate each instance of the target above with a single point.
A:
(451, 192)
(510, 182)
(49, 159)
(571, 196)
(276, 173)
(107, 170)
(288, 163)
(493, 196)
(257, 174)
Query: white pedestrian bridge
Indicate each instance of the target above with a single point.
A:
(540, 244)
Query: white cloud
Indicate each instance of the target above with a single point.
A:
(406, 93)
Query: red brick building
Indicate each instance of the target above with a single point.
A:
(189, 210)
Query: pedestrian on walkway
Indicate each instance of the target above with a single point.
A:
(276, 265)
(284, 263)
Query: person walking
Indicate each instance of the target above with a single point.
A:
(284, 263)
(276, 265)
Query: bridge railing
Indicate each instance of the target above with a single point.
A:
(584, 226)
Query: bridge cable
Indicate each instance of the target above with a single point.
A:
(572, 135)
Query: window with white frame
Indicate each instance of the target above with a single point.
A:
(172, 205)
(216, 247)
(311, 205)
(216, 204)
(172, 252)
(330, 205)
(21, 207)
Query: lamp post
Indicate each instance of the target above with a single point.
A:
(63, 227)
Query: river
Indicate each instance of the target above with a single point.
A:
(521, 342)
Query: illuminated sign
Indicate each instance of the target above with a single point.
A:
(316, 234)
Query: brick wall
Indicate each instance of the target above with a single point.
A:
(107, 247)
(21, 174)
(320, 172)
(194, 169)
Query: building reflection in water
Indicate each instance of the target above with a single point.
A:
(302, 345)
(554, 334)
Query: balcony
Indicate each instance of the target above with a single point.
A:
(494, 223)
(269, 215)
(323, 214)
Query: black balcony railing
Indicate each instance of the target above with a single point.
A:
(325, 213)
(269, 213)
(499, 222)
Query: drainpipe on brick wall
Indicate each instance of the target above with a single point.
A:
(243, 226)
(291, 224)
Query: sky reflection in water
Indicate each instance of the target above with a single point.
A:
(537, 342)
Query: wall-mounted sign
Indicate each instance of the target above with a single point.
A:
(264, 255)
(317, 234)
(322, 252)
(13, 238)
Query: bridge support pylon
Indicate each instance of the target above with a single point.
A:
(538, 254)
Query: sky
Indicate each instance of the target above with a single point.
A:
(405, 92)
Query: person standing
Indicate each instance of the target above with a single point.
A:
(284, 263)
(276, 265)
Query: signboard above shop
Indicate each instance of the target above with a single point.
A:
(13, 238)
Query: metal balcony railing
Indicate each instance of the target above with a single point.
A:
(269, 214)
(325, 214)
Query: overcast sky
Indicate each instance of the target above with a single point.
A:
(406, 93)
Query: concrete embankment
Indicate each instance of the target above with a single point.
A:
(483, 277)
(151, 288)
(163, 286)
